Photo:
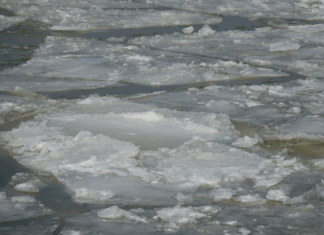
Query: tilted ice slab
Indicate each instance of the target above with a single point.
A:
(23, 104)
(291, 48)
(302, 9)
(72, 63)
(6, 21)
(291, 110)
(84, 15)
(106, 150)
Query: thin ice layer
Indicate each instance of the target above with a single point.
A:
(87, 63)
(84, 15)
(288, 48)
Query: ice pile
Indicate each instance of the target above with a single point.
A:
(82, 63)
(83, 15)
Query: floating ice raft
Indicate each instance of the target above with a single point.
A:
(74, 63)
(108, 150)
(290, 110)
(289, 48)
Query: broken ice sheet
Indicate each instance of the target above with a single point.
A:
(76, 63)
(83, 15)
(23, 104)
(252, 9)
(20, 208)
(155, 152)
(285, 111)
(162, 220)
(286, 49)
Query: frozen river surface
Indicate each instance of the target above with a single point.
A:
(161, 117)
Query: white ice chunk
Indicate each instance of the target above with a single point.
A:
(222, 194)
(147, 116)
(188, 30)
(319, 163)
(320, 191)
(3, 196)
(182, 215)
(276, 195)
(307, 28)
(251, 199)
(115, 212)
(83, 195)
(283, 46)
(252, 103)
(181, 198)
(206, 31)
(24, 199)
(244, 231)
(245, 142)
(26, 187)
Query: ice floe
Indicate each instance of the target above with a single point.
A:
(82, 15)
(280, 10)
(286, 48)
(127, 162)
(286, 111)
(77, 63)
